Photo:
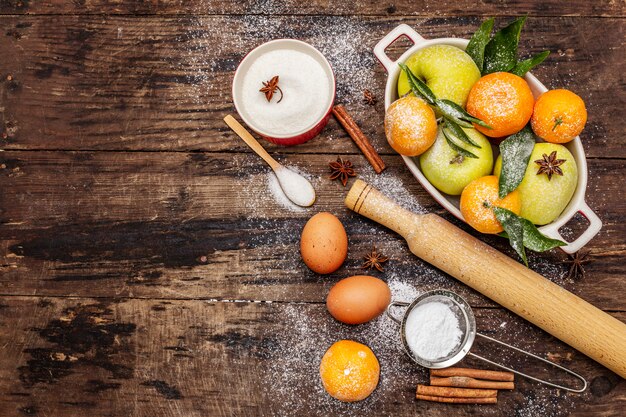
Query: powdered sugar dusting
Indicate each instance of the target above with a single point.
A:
(261, 191)
(394, 188)
(345, 41)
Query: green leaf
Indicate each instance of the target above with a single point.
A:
(522, 67)
(501, 51)
(454, 111)
(480, 39)
(417, 86)
(535, 240)
(455, 147)
(512, 225)
(450, 111)
(458, 132)
(515, 151)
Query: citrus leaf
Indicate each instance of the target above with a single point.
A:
(535, 240)
(480, 39)
(476, 120)
(417, 86)
(522, 67)
(458, 132)
(501, 51)
(515, 151)
(454, 111)
(455, 147)
(512, 225)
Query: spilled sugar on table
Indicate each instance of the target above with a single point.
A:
(138, 277)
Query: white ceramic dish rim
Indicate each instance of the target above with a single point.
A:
(276, 44)
(576, 204)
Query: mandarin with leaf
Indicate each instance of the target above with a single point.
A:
(478, 199)
(503, 101)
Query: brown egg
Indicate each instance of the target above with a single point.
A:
(324, 243)
(358, 299)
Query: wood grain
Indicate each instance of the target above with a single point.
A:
(319, 7)
(120, 227)
(157, 83)
(76, 357)
(138, 224)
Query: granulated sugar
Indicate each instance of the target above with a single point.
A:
(297, 188)
(305, 92)
(273, 186)
(262, 191)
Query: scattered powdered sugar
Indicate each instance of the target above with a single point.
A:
(279, 195)
(394, 188)
(432, 330)
(305, 337)
(345, 41)
(262, 191)
(305, 331)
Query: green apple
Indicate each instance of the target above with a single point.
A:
(448, 171)
(447, 70)
(543, 198)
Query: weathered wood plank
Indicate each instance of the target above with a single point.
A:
(155, 83)
(139, 224)
(318, 7)
(76, 357)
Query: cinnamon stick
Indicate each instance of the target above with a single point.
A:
(357, 135)
(466, 382)
(458, 400)
(455, 392)
(474, 373)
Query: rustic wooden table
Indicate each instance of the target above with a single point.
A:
(145, 269)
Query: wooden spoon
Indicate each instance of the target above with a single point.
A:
(297, 188)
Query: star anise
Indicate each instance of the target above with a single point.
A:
(550, 165)
(577, 261)
(341, 169)
(374, 260)
(369, 98)
(270, 87)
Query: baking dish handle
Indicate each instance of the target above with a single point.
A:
(595, 224)
(391, 37)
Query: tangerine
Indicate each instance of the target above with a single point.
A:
(559, 116)
(477, 200)
(349, 371)
(503, 101)
(410, 126)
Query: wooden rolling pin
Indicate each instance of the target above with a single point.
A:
(504, 280)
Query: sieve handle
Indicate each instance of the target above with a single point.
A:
(541, 381)
(395, 304)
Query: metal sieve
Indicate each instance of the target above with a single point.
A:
(467, 323)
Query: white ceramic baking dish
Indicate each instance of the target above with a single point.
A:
(451, 203)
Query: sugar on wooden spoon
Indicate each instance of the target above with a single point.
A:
(297, 188)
